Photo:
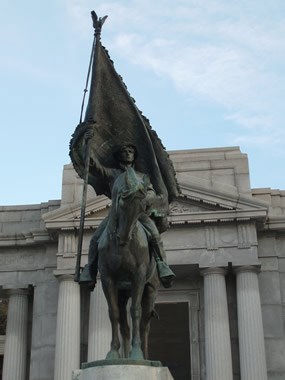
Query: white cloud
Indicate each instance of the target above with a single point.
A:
(228, 54)
(251, 122)
(262, 140)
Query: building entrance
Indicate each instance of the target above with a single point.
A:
(169, 339)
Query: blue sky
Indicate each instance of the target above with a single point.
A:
(207, 73)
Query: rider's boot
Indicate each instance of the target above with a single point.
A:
(165, 274)
(88, 275)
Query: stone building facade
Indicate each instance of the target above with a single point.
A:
(222, 320)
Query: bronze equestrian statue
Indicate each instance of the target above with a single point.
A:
(116, 151)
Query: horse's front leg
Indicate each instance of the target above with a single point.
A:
(124, 325)
(136, 313)
(111, 294)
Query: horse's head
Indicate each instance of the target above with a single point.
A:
(130, 204)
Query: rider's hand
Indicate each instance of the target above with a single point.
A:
(89, 133)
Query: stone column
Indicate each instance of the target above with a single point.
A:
(250, 327)
(15, 352)
(217, 332)
(67, 349)
(99, 336)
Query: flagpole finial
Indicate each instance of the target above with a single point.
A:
(97, 23)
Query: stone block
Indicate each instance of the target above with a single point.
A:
(33, 215)
(272, 316)
(192, 166)
(10, 216)
(269, 285)
(8, 278)
(67, 194)
(43, 331)
(276, 200)
(184, 238)
(266, 246)
(37, 333)
(269, 264)
(263, 195)
(42, 363)
(223, 177)
(282, 265)
(48, 329)
(282, 284)
(275, 354)
(69, 175)
(283, 308)
(243, 183)
(280, 246)
(123, 372)
(275, 376)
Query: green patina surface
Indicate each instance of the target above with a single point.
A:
(97, 363)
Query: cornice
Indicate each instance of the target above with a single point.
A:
(274, 223)
(218, 216)
(229, 208)
(35, 237)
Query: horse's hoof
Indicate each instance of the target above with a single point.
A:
(136, 354)
(113, 355)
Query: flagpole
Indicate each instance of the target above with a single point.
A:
(97, 24)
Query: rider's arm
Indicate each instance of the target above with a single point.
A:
(98, 168)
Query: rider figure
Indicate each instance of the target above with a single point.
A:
(125, 156)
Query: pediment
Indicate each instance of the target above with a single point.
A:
(68, 217)
(195, 205)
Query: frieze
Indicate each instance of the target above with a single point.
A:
(16, 260)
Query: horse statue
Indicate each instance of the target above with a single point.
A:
(127, 268)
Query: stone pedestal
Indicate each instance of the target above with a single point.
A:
(123, 372)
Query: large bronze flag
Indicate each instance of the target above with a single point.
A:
(116, 120)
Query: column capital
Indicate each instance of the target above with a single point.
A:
(213, 270)
(64, 275)
(247, 269)
(20, 289)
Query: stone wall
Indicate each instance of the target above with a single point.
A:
(218, 221)
(27, 260)
(271, 248)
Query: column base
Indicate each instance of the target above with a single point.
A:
(122, 369)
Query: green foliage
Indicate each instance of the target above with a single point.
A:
(3, 315)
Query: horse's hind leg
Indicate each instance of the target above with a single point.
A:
(111, 295)
(124, 325)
